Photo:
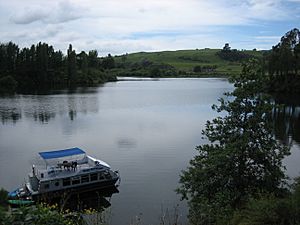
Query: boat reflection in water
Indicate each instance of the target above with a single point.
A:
(96, 199)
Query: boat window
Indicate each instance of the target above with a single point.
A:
(85, 179)
(94, 176)
(75, 180)
(107, 175)
(56, 183)
(66, 182)
(101, 176)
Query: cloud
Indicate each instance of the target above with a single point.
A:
(268, 38)
(30, 15)
(61, 12)
(119, 26)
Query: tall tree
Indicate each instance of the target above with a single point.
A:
(83, 62)
(93, 59)
(108, 62)
(284, 58)
(243, 158)
(71, 65)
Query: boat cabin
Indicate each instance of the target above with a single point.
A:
(69, 168)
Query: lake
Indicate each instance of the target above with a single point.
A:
(146, 129)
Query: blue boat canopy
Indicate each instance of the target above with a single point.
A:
(61, 153)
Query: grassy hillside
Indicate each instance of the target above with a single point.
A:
(184, 61)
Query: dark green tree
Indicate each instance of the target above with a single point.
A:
(71, 65)
(226, 47)
(40, 66)
(42, 62)
(242, 160)
(93, 59)
(108, 62)
(284, 57)
(83, 62)
(8, 58)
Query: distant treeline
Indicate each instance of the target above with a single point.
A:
(233, 55)
(40, 66)
(145, 68)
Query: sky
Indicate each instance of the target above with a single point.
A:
(125, 26)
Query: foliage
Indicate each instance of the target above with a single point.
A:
(285, 56)
(8, 84)
(283, 63)
(268, 209)
(41, 66)
(243, 158)
(71, 64)
(147, 68)
(108, 62)
(232, 55)
(3, 197)
(39, 215)
(204, 68)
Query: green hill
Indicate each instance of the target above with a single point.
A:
(203, 62)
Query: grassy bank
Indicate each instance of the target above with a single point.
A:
(182, 63)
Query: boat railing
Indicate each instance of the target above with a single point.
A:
(54, 171)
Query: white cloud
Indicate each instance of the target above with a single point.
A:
(60, 12)
(119, 26)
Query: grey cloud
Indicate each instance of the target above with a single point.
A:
(29, 16)
(62, 12)
(67, 12)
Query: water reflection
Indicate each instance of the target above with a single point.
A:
(287, 119)
(148, 130)
(96, 199)
(10, 115)
(44, 108)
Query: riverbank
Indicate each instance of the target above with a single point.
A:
(183, 63)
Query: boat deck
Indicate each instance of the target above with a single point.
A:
(54, 172)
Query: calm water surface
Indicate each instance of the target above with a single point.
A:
(146, 129)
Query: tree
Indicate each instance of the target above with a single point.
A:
(40, 66)
(82, 60)
(226, 47)
(71, 65)
(232, 55)
(284, 57)
(93, 58)
(42, 62)
(108, 62)
(243, 158)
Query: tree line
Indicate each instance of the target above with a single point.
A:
(282, 63)
(42, 66)
(233, 55)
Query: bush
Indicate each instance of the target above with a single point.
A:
(271, 210)
(3, 197)
(39, 215)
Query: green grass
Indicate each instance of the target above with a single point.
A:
(186, 60)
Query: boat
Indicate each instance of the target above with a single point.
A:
(65, 171)
(20, 202)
